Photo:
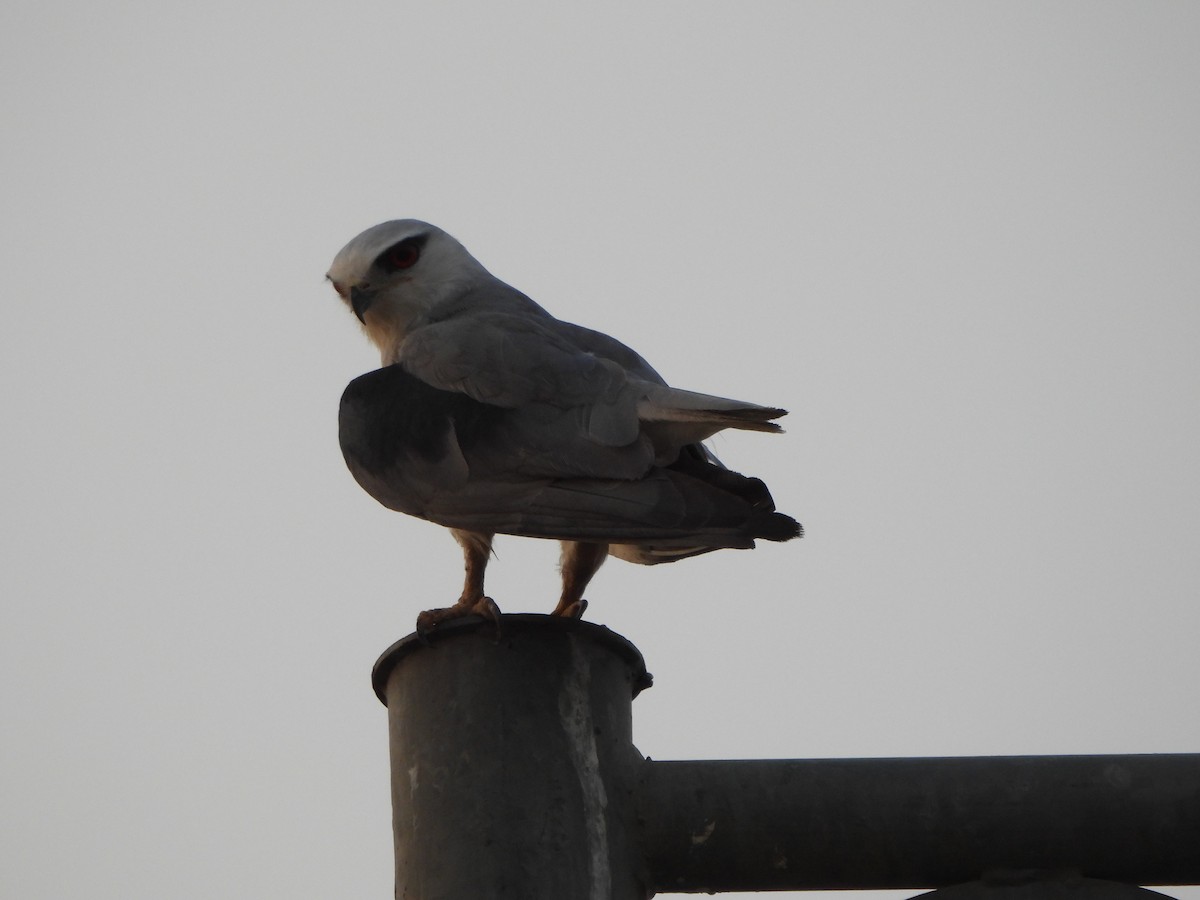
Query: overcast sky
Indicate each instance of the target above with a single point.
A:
(960, 242)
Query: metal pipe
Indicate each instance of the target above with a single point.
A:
(514, 775)
(513, 765)
(754, 825)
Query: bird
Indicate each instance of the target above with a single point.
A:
(490, 416)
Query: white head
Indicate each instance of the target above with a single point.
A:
(394, 273)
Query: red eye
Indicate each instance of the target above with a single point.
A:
(403, 255)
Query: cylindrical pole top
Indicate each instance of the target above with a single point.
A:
(511, 626)
(513, 766)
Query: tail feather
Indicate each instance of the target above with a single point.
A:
(666, 404)
(756, 419)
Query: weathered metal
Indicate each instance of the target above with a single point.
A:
(514, 776)
(513, 766)
(758, 825)
(1042, 886)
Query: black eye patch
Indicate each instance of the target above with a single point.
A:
(401, 255)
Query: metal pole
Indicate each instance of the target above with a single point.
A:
(755, 825)
(512, 760)
(514, 775)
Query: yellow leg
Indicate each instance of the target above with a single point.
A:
(579, 563)
(477, 548)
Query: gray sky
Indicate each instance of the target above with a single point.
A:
(957, 241)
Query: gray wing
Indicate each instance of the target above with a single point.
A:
(517, 361)
(446, 457)
(581, 384)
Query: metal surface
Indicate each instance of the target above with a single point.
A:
(514, 776)
(512, 762)
(913, 823)
(1033, 887)
(512, 624)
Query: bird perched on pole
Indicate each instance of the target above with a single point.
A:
(491, 416)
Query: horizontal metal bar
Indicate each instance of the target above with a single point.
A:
(753, 825)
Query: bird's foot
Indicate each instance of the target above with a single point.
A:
(571, 610)
(481, 606)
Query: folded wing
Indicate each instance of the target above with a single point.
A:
(533, 470)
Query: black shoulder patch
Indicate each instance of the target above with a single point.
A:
(389, 414)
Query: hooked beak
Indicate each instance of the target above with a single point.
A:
(360, 300)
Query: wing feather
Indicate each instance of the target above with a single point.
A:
(446, 457)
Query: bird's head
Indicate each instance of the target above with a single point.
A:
(393, 274)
